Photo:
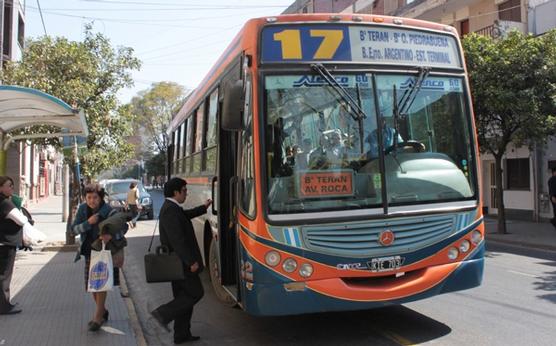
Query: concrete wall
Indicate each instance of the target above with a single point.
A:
(482, 15)
(520, 204)
(542, 16)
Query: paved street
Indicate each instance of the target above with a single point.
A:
(49, 287)
(516, 305)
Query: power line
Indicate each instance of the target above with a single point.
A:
(122, 20)
(166, 20)
(42, 19)
(157, 50)
(178, 4)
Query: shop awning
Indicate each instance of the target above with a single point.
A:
(22, 107)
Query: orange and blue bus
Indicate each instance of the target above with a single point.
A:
(342, 156)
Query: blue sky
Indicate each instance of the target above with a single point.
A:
(177, 40)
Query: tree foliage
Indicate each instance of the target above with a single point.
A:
(513, 84)
(87, 75)
(154, 109)
(156, 165)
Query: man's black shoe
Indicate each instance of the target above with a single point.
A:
(158, 318)
(12, 311)
(189, 338)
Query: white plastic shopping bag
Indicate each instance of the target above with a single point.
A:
(31, 235)
(101, 271)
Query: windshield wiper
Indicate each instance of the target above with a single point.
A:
(409, 95)
(355, 109)
(400, 109)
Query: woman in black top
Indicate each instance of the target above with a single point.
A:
(11, 225)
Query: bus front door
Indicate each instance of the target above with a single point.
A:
(227, 275)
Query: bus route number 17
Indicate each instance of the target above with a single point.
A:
(290, 40)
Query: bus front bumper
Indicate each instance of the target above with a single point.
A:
(340, 294)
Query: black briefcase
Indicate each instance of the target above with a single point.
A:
(163, 266)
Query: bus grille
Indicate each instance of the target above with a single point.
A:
(361, 240)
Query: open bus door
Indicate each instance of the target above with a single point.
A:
(223, 258)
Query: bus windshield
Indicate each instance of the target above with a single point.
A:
(322, 157)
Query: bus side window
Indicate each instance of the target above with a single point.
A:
(210, 142)
(247, 168)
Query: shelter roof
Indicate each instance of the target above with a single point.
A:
(22, 107)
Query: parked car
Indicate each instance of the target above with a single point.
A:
(116, 190)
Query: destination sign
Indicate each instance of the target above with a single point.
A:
(358, 43)
(325, 184)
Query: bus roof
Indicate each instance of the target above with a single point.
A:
(248, 36)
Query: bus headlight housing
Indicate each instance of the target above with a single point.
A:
(289, 265)
(306, 270)
(464, 246)
(272, 258)
(476, 237)
(453, 253)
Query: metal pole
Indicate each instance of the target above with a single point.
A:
(2, 155)
(65, 200)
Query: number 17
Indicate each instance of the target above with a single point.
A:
(291, 43)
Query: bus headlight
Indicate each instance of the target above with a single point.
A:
(453, 253)
(289, 265)
(476, 237)
(272, 258)
(464, 246)
(306, 270)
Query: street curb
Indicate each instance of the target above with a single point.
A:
(543, 247)
(132, 313)
(56, 248)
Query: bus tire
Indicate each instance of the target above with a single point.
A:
(223, 296)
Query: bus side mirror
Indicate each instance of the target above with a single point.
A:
(232, 106)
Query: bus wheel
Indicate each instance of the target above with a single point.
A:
(222, 295)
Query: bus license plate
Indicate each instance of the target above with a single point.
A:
(385, 264)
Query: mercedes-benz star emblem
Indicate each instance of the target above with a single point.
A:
(386, 238)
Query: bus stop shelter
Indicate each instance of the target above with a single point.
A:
(21, 107)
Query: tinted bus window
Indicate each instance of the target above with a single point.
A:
(199, 129)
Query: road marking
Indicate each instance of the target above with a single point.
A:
(524, 274)
(390, 335)
(396, 338)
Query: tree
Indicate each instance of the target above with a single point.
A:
(88, 76)
(154, 109)
(156, 165)
(513, 84)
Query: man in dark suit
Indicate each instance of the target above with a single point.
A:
(177, 233)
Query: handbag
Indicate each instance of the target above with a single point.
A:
(101, 271)
(162, 265)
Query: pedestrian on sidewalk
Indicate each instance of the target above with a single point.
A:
(552, 194)
(12, 221)
(86, 224)
(133, 201)
(177, 234)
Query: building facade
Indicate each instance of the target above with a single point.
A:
(36, 170)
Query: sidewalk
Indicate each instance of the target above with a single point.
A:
(49, 287)
(540, 235)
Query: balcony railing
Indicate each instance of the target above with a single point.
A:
(491, 30)
(501, 27)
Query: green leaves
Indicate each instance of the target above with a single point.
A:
(154, 109)
(513, 85)
(86, 75)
